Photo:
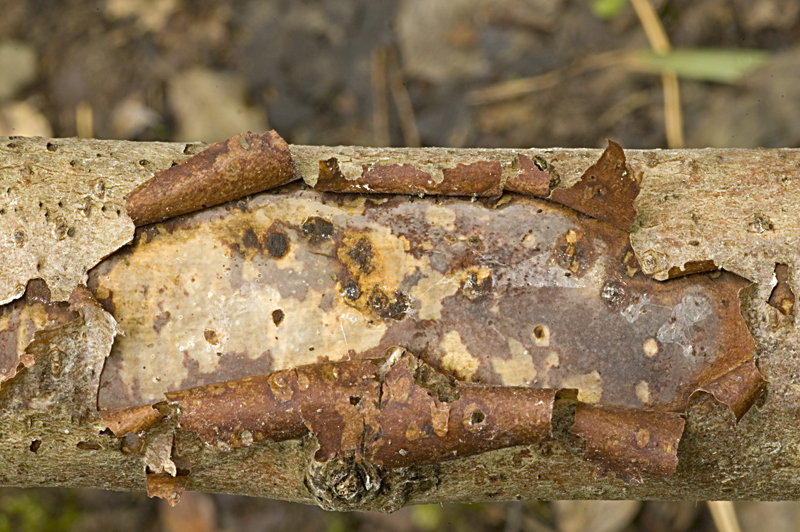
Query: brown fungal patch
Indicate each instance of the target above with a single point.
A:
(317, 229)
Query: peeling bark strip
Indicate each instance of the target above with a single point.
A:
(393, 412)
(605, 191)
(246, 164)
(628, 442)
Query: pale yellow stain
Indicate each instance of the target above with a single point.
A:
(429, 292)
(517, 370)
(587, 384)
(643, 392)
(552, 361)
(457, 358)
(440, 216)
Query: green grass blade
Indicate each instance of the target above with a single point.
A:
(720, 65)
(607, 9)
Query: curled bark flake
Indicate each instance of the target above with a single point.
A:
(480, 178)
(130, 420)
(740, 388)
(629, 442)
(242, 165)
(379, 410)
(605, 191)
(166, 486)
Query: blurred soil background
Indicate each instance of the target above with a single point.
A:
(459, 73)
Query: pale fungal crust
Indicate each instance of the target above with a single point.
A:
(62, 206)
(589, 386)
(643, 392)
(457, 357)
(517, 370)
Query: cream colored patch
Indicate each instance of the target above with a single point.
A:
(429, 292)
(541, 336)
(587, 384)
(650, 347)
(550, 362)
(457, 358)
(517, 370)
(187, 274)
(440, 216)
(643, 392)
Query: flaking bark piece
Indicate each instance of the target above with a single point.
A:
(166, 486)
(65, 377)
(629, 442)
(62, 206)
(380, 410)
(21, 319)
(416, 427)
(740, 388)
(480, 178)
(605, 191)
(130, 420)
(535, 177)
(245, 164)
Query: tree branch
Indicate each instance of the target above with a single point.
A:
(511, 290)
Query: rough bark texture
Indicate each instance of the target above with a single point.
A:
(734, 208)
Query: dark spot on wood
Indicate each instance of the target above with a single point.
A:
(387, 308)
(89, 446)
(250, 239)
(362, 256)
(160, 320)
(351, 290)
(277, 316)
(317, 229)
(613, 294)
(539, 332)
(211, 336)
(277, 245)
(51, 146)
(35, 444)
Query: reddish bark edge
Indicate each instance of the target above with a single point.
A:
(605, 191)
(245, 164)
(393, 412)
(400, 412)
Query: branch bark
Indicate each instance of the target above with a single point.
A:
(63, 208)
